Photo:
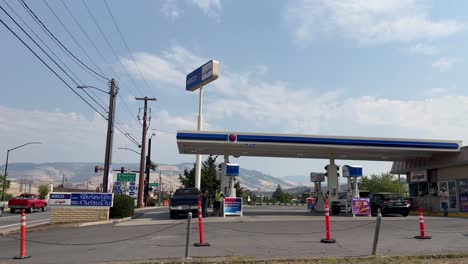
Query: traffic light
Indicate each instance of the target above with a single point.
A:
(153, 166)
(122, 169)
(337, 170)
(96, 168)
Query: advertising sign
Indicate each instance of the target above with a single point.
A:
(92, 199)
(310, 203)
(232, 206)
(463, 203)
(361, 206)
(419, 176)
(202, 76)
(58, 199)
(352, 171)
(232, 170)
(126, 177)
(317, 177)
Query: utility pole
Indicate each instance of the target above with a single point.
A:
(110, 136)
(141, 180)
(148, 169)
(160, 188)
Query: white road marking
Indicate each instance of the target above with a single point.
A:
(30, 222)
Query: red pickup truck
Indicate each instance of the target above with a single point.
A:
(27, 201)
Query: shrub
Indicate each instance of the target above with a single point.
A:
(123, 206)
(151, 201)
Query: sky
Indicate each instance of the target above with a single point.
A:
(347, 68)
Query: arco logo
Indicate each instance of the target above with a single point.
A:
(232, 137)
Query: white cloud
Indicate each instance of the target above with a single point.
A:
(366, 21)
(209, 7)
(444, 64)
(173, 8)
(424, 49)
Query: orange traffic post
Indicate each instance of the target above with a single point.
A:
(23, 237)
(422, 233)
(200, 228)
(328, 238)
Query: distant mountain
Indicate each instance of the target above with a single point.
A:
(78, 173)
(297, 180)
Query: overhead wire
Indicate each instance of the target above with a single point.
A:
(52, 70)
(45, 63)
(126, 44)
(110, 46)
(99, 53)
(58, 42)
(73, 38)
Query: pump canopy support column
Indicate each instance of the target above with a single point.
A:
(332, 180)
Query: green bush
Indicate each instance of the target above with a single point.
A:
(152, 201)
(123, 206)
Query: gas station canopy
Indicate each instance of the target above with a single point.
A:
(310, 146)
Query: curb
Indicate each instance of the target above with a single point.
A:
(49, 226)
(432, 213)
(149, 208)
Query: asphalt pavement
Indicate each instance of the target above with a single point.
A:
(10, 222)
(264, 232)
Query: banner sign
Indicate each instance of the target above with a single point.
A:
(232, 170)
(352, 171)
(419, 176)
(126, 177)
(81, 199)
(361, 206)
(463, 203)
(232, 206)
(317, 177)
(58, 199)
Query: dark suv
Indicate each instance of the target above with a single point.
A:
(389, 203)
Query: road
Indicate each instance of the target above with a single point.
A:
(264, 232)
(10, 221)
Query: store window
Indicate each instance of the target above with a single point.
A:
(419, 189)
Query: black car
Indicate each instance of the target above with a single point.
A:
(184, 201)
(389, 203)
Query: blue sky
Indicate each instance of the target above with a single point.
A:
(360, 68)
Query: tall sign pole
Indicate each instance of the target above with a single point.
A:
(203, 75)
(141, 178)
(110, 136)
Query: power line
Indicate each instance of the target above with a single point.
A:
(127, 108)
(50, 68)
(110, 46)
(47, 65)
(73, 38)
(31, 12)
(126, 45)
(42, 41)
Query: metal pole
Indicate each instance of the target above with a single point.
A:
(110, 136)
(160, 189)
(187, 241)
(141, 178)
(5, 176)
(377, 231)
(199, 128)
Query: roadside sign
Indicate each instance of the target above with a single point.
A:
(92, 199)
(352, 171)
(132, 188)
(131, 193)
(361, 206)
(126, 177)
(205, 74)
(317, 177)
(58, 199)
(232, 170)
(232, 206)
(132, 182)
(155, 184)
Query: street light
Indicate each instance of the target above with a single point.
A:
(6, 165)
(91, 87)
(110, 129)
(131, 150)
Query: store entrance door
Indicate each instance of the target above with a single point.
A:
(451, 187)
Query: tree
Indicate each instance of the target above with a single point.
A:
(278, 194)
(209, 179)
(7, 186)
(43, 191)
(384, 182)
(239, 190)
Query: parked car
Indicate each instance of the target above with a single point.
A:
(343, 200)
(2, 208)
(389, 203)
(184, 201)
(27, 201)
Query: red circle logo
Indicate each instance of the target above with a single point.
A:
(232, 137)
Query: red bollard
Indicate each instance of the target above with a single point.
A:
(23, 237)
(200, 228)
(422, 234)
(328, 239)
